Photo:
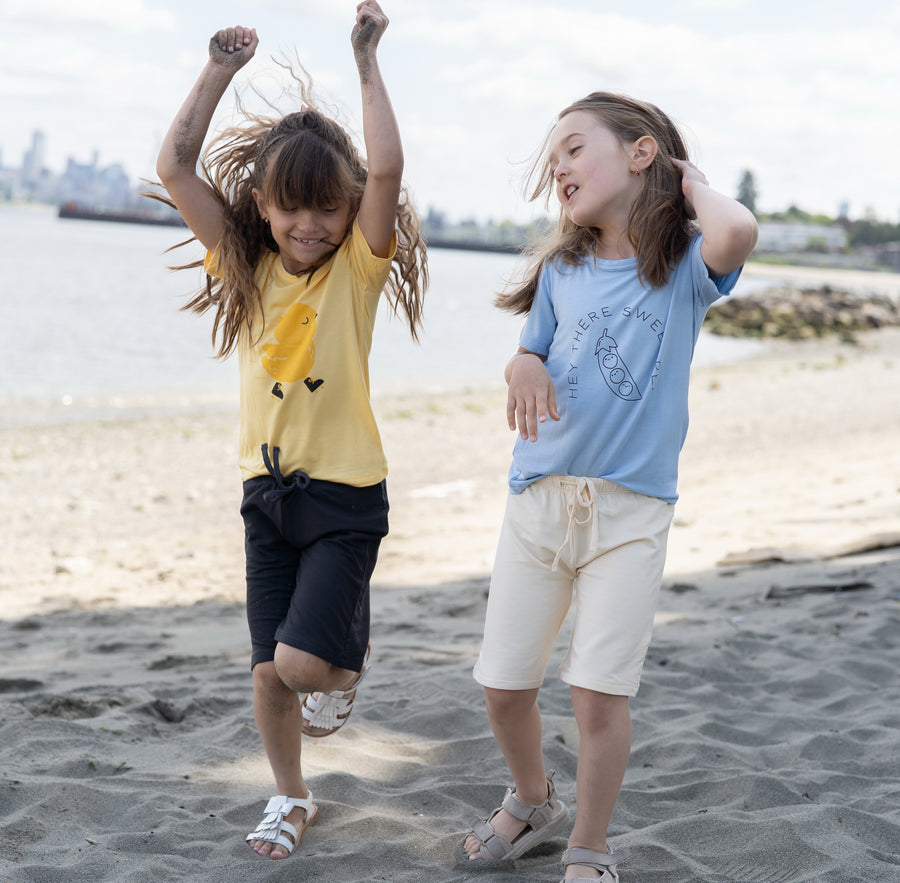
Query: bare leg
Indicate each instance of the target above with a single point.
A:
(604, 727)
(277, 711)
(516, 723)
(276, 706)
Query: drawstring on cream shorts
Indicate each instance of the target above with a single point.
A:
(582, 541)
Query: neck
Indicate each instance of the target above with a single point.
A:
(614, 245)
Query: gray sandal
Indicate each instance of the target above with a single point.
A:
(542, 822)
(604, 862)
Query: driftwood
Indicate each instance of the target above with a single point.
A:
(798, 555)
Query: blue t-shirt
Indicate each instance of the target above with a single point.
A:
(619, 355)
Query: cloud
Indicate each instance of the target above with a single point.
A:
(126, 15)
(807, 104)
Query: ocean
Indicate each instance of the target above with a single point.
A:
(90, 324)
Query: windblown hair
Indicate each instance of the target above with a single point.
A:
(302, 159)
(658, 225)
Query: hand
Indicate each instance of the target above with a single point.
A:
(233, 47)
(371, 23)
(531, 397)
(690, 175)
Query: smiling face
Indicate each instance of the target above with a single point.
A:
(305, 236)
(309, 189)
(592, 172)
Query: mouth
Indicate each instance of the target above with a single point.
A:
(569, 190)
(307, 243)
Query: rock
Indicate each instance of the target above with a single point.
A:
(801, 314)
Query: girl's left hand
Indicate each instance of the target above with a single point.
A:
(690, 175)
(371, 23)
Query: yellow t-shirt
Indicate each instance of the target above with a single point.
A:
(305, 381)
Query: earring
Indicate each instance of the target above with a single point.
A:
(636, 172)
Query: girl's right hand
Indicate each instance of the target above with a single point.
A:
(233, 47)
(690, 175)
(531, 397)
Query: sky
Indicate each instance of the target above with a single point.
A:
(804, 95)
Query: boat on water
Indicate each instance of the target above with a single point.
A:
(75, 211)
(171, 219)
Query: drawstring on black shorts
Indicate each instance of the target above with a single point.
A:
(298, 480)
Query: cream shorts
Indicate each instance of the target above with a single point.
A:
(585, 540)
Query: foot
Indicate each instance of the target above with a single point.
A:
(296, 817)
(602, 865)
(325, 713)
(281, 839)
(584, 871)
(503, 823)
(516, 827)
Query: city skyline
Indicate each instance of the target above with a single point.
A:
(127, 190)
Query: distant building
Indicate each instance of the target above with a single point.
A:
(34, 159)
(88, 184)
(786, 236)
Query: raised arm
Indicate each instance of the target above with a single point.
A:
(384, 150)
(729, 228)
(229, 50)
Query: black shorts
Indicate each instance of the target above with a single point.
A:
(311, 547)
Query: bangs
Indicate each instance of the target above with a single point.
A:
(307, 173)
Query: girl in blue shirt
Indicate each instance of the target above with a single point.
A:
(598, 393)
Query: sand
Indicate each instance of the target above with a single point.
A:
(765, 731)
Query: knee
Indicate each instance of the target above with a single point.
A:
(299, 671)
(270, 689)
(599, 712)
(506, 704)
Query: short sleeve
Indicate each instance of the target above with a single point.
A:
(211, 262)
(540, 326)
(370, 271)
(708, 288)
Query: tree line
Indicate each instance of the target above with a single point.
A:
(865, 231)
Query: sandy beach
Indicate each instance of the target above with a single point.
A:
(766, 730)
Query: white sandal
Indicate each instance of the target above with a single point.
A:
(273, 827)
(328, 712)
(603, 862)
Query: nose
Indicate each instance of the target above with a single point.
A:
(305, 219)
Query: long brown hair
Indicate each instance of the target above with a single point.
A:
(658, 225)
(302, 159)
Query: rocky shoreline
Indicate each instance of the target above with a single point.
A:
(802, 313)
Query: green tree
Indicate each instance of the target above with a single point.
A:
(746, 194)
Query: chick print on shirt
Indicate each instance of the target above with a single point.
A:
(293, 356)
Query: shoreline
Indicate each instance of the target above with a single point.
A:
(877, 281)
(807, 417)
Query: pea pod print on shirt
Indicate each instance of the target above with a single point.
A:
(614, 370)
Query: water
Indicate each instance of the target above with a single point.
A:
(89, 322)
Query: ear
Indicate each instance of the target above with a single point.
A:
(643, 152)
(260, 203)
